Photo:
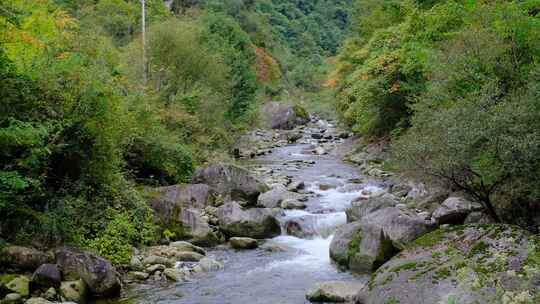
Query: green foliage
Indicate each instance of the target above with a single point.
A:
(455, 82)
(80, 127)
(122, 230)
(233, 44)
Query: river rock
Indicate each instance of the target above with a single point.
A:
(178, 209)
(345, 243)
(157, 260)
(22, 258)
(293, 204)
(454, 210)
(320, 151)
(426, 198)
(135, 263)
(257, 223)
(274, 197)
(273, 246)
(278, 115)
(20, 285)
(334, 292)
(363, 206)
(383, 234)
(155, 268)
(74, 291)
(174, 274)
(50, 294)
(479, 217)
(208, 264)
(302, 227)
(188, 195)
(186, 246)
(197, 229)
(38, 301)
(97, 272)
(139, 275)
(12, 298)
(481, 264)
(296, 186)
(47, 275)
(243, 243)
(233, 182)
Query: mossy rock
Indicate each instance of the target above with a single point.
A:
(301, 112)
(461, 264)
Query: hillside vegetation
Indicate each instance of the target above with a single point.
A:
(455, 86)
(86, 121)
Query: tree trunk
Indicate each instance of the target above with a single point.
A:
(143, 31)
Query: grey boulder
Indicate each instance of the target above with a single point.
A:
(98, 273)
(363, 206)
(232, 182)
(22, 258)
(274, 197)
(47, 275)
(257, 223)
(365, 245)
(480, 264)
(278, 115)
(454, 210)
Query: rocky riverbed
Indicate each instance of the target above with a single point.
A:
(307, 214)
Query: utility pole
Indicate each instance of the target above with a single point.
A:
(145, 64)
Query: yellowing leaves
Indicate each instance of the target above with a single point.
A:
(394, 88)
(266, 66)
(64, 21)
(41, 27)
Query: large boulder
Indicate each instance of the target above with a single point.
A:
(232, 182)
(278, 115)
(22, 258)
(365, 245)
(363, 206)
(189, 195)
(426, 198)
(345, 243)
(479, 264)
(197, 229)
(257, 223)
(208, 264)
(334, 292)
(274, 197)
(454, 210)
(98, 273)
(178, 209)
(383, 234)
(47, 275)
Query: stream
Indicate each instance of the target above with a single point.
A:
(279, 276)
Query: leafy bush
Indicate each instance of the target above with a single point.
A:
(122, 231)
(456, 84)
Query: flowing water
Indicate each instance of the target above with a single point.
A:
(282, 277)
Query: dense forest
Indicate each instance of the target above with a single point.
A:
(230, 151)
(454, 85)
(86, 120)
